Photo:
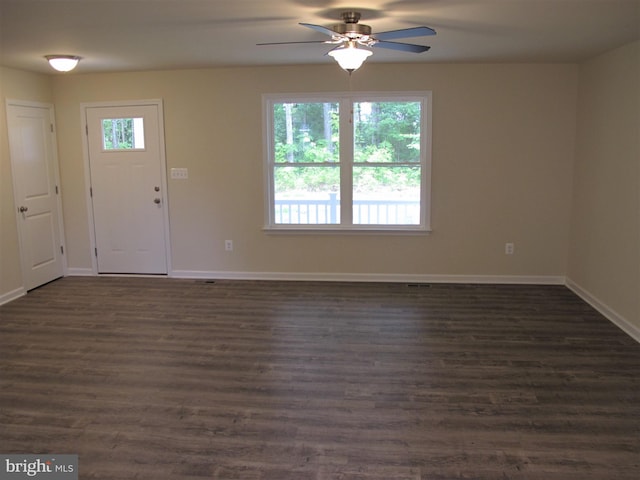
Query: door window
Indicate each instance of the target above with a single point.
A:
(123, 134)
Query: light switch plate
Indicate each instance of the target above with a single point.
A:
(179, 174)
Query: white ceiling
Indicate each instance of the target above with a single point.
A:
(116, 35)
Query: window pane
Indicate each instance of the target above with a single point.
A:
(123, 133)
(386, 195)
(306, 195)
(305, 132)
(387, 132)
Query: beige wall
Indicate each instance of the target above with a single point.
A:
(604, 257)
(14, 85)
(503, 147)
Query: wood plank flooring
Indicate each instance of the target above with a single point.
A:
(149, 378)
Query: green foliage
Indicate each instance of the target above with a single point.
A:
(375, 179)
(308, 179)
(387, 132)
(382, 153)
(117, 133)
(306, 132)
(384, 133)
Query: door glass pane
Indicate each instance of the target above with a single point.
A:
(123, 133)
(305, 132)
(386, 195)
(386, 132)
(306, 195)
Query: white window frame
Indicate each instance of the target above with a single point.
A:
(345, 101)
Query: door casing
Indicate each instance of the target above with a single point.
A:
(87, 172)
(29, 281)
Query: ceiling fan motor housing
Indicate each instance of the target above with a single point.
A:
(351, 28)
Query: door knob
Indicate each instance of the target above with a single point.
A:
(23, 209)
(156, 200)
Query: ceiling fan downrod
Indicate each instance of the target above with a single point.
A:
(350, 17)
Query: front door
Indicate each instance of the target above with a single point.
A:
(126, 163)
(35, 180)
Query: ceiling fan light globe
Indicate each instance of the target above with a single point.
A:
(63, 63)
(349, 57)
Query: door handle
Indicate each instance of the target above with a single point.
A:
(156, 201)
(23, 209)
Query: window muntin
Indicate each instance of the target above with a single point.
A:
(122, 134)
(348, 161)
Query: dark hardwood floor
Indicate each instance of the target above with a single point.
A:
(149, 378)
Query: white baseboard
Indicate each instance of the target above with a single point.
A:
(354, 277)
(370, 277)
(80, 272)
(625, 325)
(12, 295)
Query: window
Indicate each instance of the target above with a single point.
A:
(348, 161)
(122, 134)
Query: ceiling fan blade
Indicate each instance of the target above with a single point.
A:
(320, 28)
(405, 33)
(404, 47)
(291, 43)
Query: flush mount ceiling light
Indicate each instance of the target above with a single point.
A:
(349, 56)
(63, 63)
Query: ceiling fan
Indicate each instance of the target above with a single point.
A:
(350, 35)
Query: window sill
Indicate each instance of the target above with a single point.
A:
(333, 230)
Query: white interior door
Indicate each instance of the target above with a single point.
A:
(126, 162)
(35, 172)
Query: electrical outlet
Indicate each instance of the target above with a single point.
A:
(228, 245)
(509, 248)
(179, 174)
